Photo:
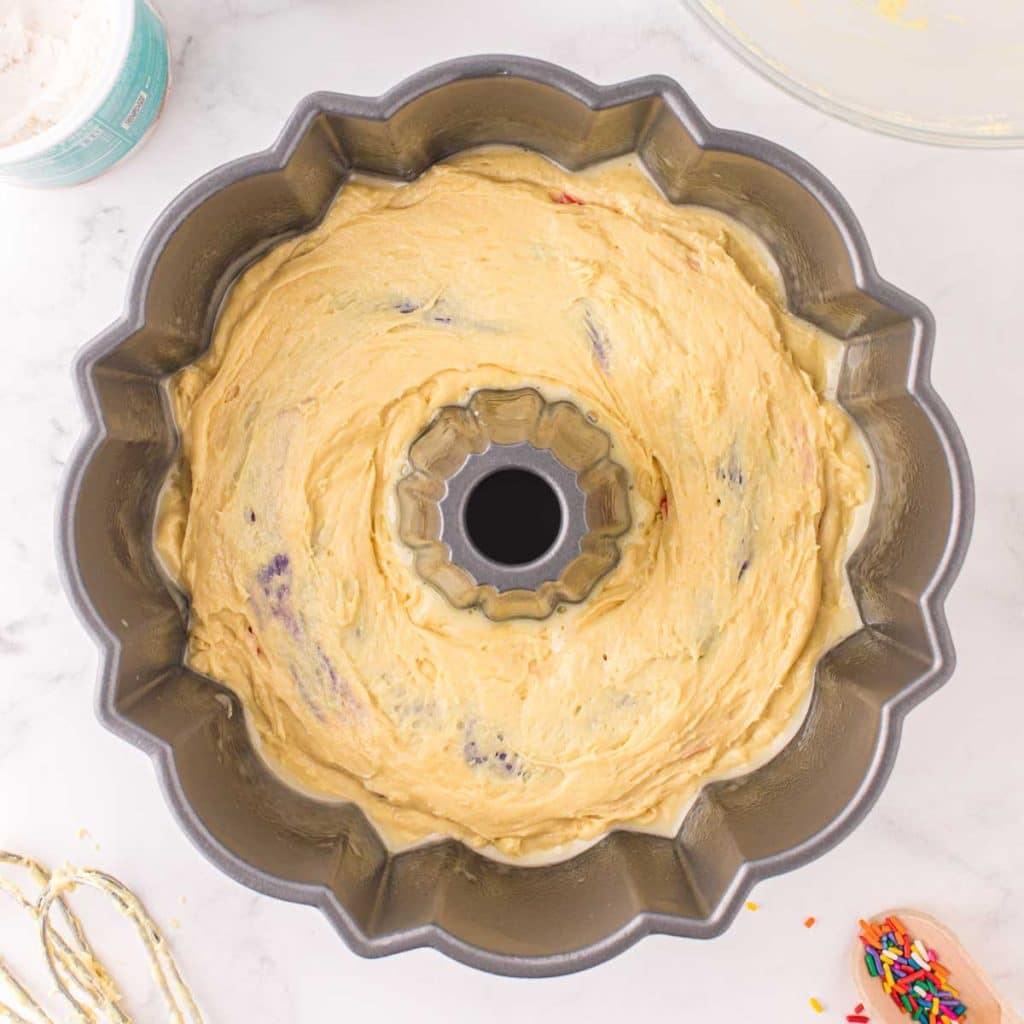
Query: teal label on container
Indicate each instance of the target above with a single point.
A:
(119, 123)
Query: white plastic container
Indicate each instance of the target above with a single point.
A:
(113, 117)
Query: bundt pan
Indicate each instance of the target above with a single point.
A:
(513, 920)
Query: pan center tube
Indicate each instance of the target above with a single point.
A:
(513, 504)
(513, 516)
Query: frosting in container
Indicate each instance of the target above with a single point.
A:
(692, 659)
(52, 53)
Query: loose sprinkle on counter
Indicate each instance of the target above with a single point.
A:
(816, 1006)
(910, 973)
(809, 923)
(751, 905)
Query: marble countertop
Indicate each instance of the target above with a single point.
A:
(948, 832)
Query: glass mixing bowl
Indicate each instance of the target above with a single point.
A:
(943, 71)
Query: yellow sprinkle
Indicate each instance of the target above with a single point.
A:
(751, 905)
(895, 11)
(816, 1006)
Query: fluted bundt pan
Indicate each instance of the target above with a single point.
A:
(513, 920)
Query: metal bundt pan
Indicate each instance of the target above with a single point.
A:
(540, 920)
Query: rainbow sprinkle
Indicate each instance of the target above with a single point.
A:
(910, 973)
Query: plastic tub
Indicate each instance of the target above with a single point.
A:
(111, 119)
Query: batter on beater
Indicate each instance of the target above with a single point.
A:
(498, 269)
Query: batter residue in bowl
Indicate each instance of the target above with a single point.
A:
(498, 269)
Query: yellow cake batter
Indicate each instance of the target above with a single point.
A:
(498, 269)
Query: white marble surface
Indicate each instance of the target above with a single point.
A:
(948, 833)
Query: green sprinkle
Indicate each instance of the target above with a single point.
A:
(872, 969)
(906, 1002)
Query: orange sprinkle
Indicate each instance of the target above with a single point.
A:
(809, 923)
(816, 1006)
(751, 905)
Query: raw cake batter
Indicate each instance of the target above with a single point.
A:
(498, 269)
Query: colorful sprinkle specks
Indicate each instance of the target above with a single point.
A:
(910, 973)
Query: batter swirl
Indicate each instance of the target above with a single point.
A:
(498, 269)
